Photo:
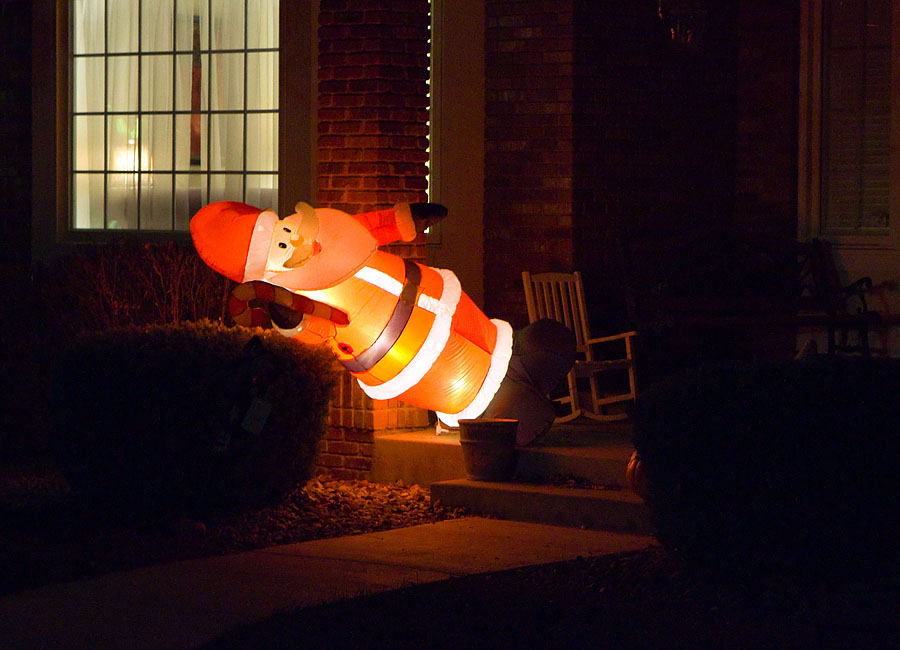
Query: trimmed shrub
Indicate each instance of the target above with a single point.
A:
(787, 467)
(183, 420)
(90, 288)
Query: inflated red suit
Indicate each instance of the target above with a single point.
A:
(403, 329)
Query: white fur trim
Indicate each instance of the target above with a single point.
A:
(497, 372)
(380, 279)
(260, 240)
(394, 287)
(428, 303)
(431, 349)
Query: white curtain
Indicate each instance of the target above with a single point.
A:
(148, 87)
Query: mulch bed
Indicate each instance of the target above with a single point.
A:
(46, 536)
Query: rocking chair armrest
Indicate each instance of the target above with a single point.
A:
(857, 290)
(613, 337)
(858, 287)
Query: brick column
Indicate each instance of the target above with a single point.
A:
(372, 152)
(528, 147)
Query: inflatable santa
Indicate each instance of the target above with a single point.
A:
(403, 329)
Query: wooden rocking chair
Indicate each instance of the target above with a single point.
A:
(560, 296)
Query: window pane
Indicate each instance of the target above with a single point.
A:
(262, 191)
(226, 137)
(156, 201)
(190, 83)
(156, 137)
(87, 142)
(227, 25)
(88, 26)
(122, 26)
(190, 142)
(262, 80)
(191, 25)
(122, 83)
(228, 82)
(190, 196)
(262, 24)
(226, 187)
(856, 118)
(156, 83)
(262, 141)
(166, 117)
(88, 87)
(87, 202)
(157, 25)
(122, 139)
(121, 201)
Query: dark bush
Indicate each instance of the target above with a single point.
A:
(785, 466)
(25, 356)
(90, 288)
(173, 420)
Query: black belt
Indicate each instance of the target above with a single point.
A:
(394, 328)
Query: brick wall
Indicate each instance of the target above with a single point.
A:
(529, 88)
(372, 152)
(654, 133)
(766, 143)
(594, 120)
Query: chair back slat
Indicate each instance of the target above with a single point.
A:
(558, 296)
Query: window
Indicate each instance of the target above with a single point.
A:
(847, 112)
(174, 104)
(856, 110)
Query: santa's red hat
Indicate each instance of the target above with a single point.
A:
(233, 238)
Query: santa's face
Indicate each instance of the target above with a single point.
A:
(293, 242)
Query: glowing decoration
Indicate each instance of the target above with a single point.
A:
(403, 329)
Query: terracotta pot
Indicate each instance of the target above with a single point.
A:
(489, 448)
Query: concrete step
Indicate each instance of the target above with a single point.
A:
(596, 452)
(600, 461)
(608, 509)
(416, 457)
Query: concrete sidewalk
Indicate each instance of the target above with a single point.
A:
(185, 604)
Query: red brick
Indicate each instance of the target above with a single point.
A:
(357, 462)
(346, 127)
(342, 447)
(361, 436)
(343, 474)
(330, 460)
(382, 58)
